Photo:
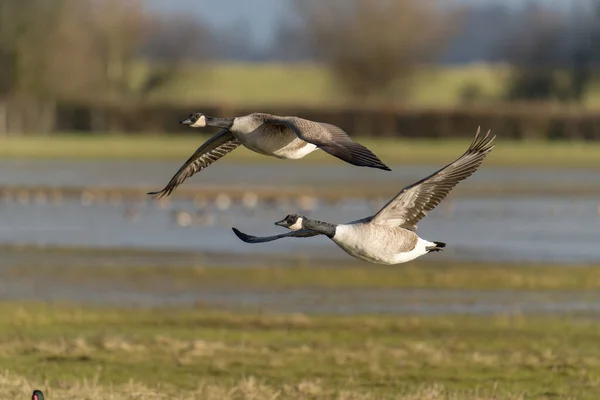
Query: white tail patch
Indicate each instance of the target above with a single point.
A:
(419, 250)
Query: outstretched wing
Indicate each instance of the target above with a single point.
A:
(332, 139)
(255, 239)
(212, 150)
(416, 200)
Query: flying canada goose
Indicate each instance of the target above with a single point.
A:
(270, 135)
(37, 395)
(390, 236)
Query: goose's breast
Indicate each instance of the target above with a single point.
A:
(297, 148)
(276, 141)
(377, 244)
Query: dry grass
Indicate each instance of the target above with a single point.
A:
(17, 387)
(92, 353)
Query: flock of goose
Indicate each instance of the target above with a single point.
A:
(388, 237)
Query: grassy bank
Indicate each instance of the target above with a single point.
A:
(392, 151)
(256, 84)
(94, 353)
(346, 275)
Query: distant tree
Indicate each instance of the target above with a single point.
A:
(123, 32)
(233, 41)
(535, 48)
(26, 29)
(369, 44)
(585, 52)
(291, 43)
(173, 40)
(85, 49)
(552, 56)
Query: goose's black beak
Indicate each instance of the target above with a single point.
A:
(187, 121)
(282, 223)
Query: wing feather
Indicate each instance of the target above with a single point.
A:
(255, 239)
(409, 206)
(213, 149)
(331, 139)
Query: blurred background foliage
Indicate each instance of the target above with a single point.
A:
(121, 65)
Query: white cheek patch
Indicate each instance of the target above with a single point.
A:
(297, 225)
(200, 123)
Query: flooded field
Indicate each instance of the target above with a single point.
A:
(559, 228)
(132, 173)
(532, 228)
(401, 301)
(548, 229)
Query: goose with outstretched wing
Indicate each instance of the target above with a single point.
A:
(390, 236)
(271, 135)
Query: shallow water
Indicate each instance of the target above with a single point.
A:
(128, 173)
(557, 228)
(304, 300)
(510, 228)
(552, 229)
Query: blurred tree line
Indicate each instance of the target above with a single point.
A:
(553, 54)
(370, 45)
(117, 50)
(85, 50)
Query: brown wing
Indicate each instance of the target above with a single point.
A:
(416, 200)
(212, 150)
(332, 139)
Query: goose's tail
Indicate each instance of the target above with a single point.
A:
(438, 246)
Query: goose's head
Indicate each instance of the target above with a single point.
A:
(195, 120)
(37, 395)
(292, 221)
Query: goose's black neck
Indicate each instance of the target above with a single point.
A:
(319, 226)
(224, 123)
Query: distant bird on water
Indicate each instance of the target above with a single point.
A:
(390, 236)
(271, 135)
(37, 395)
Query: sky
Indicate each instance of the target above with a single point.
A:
(261, 15)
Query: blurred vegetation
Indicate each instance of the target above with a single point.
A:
(73, 49)
(369, 45)
(554, 55)
(98, 353)
(314, 84)
(102, 61)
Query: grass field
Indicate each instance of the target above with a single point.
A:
(392, 151)
(98, 353)
(310, 84)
